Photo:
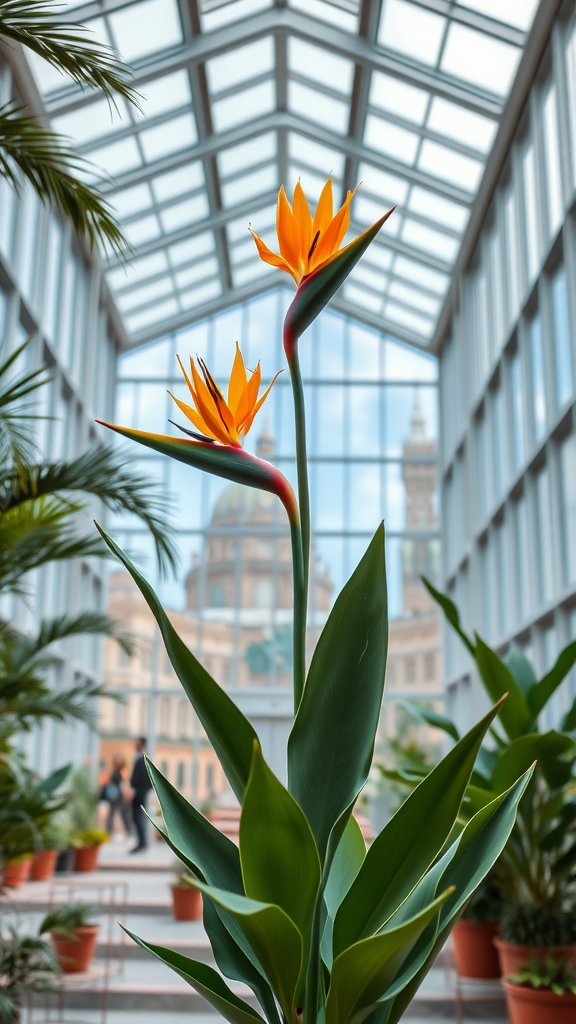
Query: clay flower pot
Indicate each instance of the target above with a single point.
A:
(86, 858)
(43, 865)
(76, 955)
(474, 951)
(513, 958)
(15, 872)
(527, 1005)
(186, 903)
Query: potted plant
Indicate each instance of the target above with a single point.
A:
(316, 925)
(529, 931)
(542, 992)
(27, 964)
(26, 808)
(55, 838)
(87, 845)
(16, 868)
(73, 934)
(186, 899)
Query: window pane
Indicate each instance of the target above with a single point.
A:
(544, 518)
(499, 443)
(561, 334)
(538, 382)
(521, 550)
(568, 461)
(517, 411)
(552, 156)
(531, 214)
(512, 256)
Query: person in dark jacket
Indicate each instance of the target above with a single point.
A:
(141, 786)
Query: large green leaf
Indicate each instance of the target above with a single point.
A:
(274, 938)
(429, 717)
(522, 670)
(229, 732)
(451, 613)
(206, 981)
(52, 782)
(346, 863)
(540, 693)
(409, 843)
(316, 290)
(279, 859)
(332, 741)
(546, 748)
(498, 681)
(478, 848)
(568, 723)
(233, 962)
(362, 973)
(193, 835)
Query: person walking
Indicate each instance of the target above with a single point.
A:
(115, 793)
(140, 786)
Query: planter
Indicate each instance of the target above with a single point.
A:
(43, 865)
(513, 958)
(76, 955)
(186, 903)
(15, 872)
(65, 861)
(528, 1005)
(474, 951)
(86, 858)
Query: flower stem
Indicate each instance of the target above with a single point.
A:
(291, 349)
(299, 637)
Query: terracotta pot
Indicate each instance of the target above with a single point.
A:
(474, 952)
(86, 858)
(76, 955)
(528, 1005)
(16, 872)
(513, 957)
(186, 903)
(43, 865)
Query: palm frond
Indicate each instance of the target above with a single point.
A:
(92, 623)
(106, 473)
(69, 48)
(17, 445)
(52, 167)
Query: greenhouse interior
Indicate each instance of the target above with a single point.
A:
(287, 511)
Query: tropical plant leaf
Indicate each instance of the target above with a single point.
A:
(541, 692)
(430, 717)
(546, 748)
(229, 732)
(362, 973)
(316, 290)
(522, 670)
(409, 843)
(279, 859)
(451, 614)
(206, 981)
(344, 867)
(332, 741)
(274, 938)
(498, 680)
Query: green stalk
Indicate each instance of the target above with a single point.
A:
(291, 349)
(299, 636)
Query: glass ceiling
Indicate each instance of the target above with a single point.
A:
(243, 95)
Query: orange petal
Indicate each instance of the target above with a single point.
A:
(270, 257)
(218, 398)
(286, 230)
(207, 408)
(328, 243)
(324, 210)
(249, 397)
(238, 381)
(303, 222)
(246, 426)
(186, 377)
(194, 417)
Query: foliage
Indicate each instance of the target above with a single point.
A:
(46, 160)
(532, 925)
(81, 801)
(486, 903)
(63, 920)
(318, 927)
(559, 975)
(273, 652)
(27, 964)
(90, 837)
(26, 807)
(183, 876)
(406, 758)
(56, 834)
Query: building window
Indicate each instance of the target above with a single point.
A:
(210, 779)
(164, 768)
(263, 593)
(430, 667)
(552, 157)
(531, 212)
(217, 595)
(410, 670)
(538, 380)
(568, 462)
(498, 446)
(165, 716)
(561, 335)
(180, 770)
(144, 715)
(545, 550)
(512, 256)
(517, 411)
(482, 496)
(521, 550)
(183, 718)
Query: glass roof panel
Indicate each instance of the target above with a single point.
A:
(422, 117)
(411, 30)
(240, 65)
(244, 106)
(398, 97)
(145, 27)
(475, 57)
(320, 65)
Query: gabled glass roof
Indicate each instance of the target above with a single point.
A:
(243, 95)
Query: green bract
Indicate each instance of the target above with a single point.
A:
(320, 929)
